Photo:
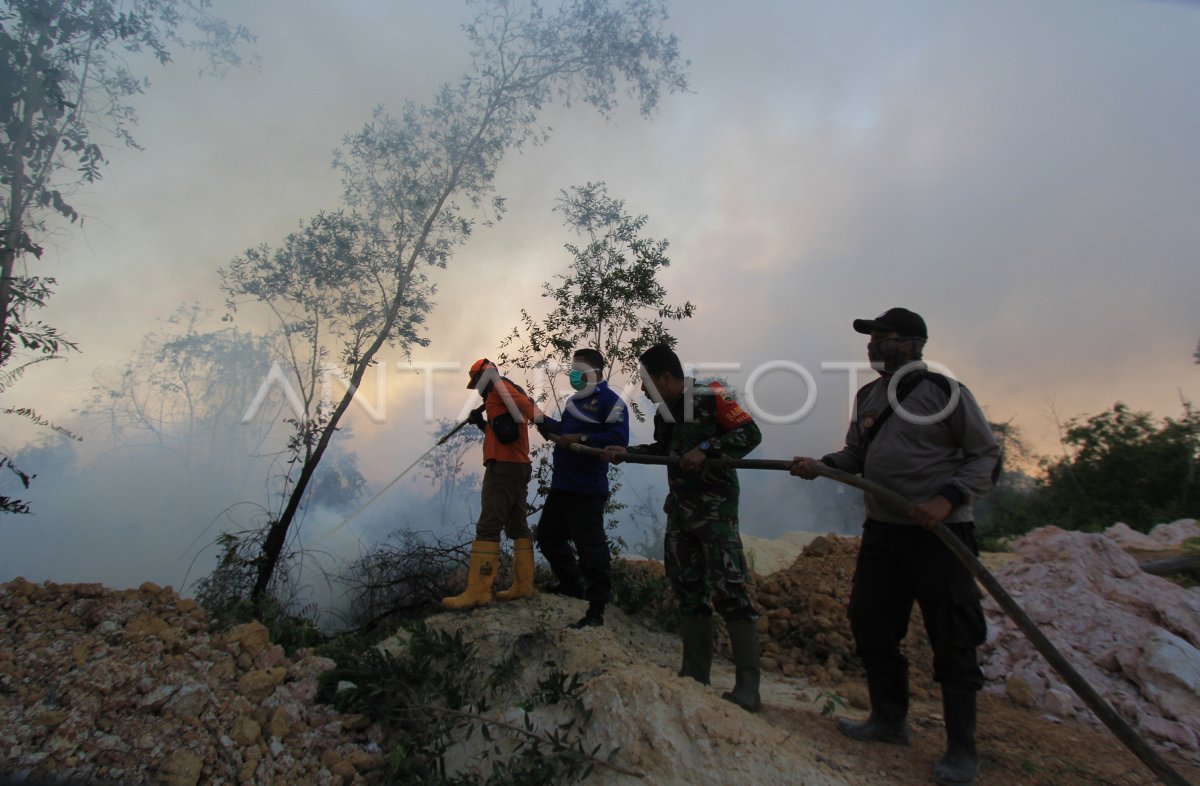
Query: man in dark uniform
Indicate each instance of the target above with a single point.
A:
(705, 561)
(574, 513)
(925, 437)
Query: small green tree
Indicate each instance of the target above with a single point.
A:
(1126, 466)
(1005, 511)
(415, 185)
(610, 299)
(1119, 465)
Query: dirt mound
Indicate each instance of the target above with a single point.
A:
(674, 731)
(1164, 537)
(670, 729)
(105, 686)
(768, 556)
(804, 630)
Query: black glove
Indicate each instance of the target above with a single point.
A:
(476, 419)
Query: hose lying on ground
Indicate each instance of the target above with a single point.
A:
(904, 507)
(1165, 567)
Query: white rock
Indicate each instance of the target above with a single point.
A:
(158, 696)
(1134, 637)
(1174, 534)
(189, 701)
(1169, 673)
(1171, 731)
(1127, 537)
(1060, 703)
(1161, 537)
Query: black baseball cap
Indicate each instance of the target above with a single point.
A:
(901, 320)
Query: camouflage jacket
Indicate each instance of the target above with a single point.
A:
(702, 413)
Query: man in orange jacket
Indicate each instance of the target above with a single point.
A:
(506, 475)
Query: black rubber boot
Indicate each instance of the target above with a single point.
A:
(561, 588)
(875, 729)
(743, 637)
(593, 619)
(697, 634)
(959, 765)
(888, 721)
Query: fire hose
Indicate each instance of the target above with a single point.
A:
(904, 507)
(444, 438)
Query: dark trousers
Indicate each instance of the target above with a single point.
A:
(577, 518)
(898, 564)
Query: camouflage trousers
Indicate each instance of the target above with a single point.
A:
(705, 561)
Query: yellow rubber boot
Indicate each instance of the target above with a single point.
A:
(484, 559)
(522, 571)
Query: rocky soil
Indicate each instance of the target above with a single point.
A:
(103, 686)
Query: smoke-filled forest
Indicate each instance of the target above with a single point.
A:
(946, 158)
(252, 255)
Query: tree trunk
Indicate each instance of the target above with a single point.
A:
(8, 258)
(277, 535)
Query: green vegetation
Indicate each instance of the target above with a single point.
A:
(642, 589)
(434, 694)
(225, 595)
(1119, 465)
(830, 703)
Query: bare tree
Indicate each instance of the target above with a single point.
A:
(184, 392)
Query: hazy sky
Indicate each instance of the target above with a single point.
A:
(1024, 174)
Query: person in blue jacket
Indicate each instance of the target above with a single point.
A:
(574, 512)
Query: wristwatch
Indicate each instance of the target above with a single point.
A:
(710, 446)
(583, 439)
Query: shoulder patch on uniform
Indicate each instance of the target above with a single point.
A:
(730, 414)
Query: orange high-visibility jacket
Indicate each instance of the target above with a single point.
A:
(523, 411)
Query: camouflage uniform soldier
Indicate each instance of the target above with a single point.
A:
(703, 549)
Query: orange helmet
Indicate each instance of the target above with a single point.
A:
(477, 369)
